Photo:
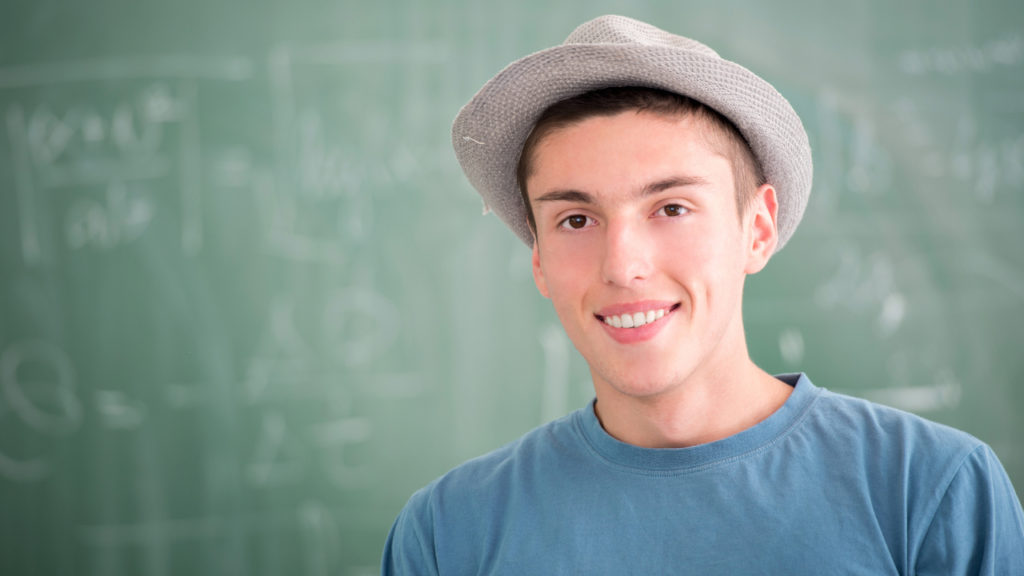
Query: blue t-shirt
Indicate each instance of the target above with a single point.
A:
(828, 484)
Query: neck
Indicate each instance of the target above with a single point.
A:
(726, 394)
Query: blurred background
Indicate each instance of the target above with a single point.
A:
(248, 302)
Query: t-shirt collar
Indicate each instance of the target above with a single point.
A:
(753, 439)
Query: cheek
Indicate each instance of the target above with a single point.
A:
(703, 259)
(569, 272)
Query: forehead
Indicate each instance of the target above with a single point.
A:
(628, 150)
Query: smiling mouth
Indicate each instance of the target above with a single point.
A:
(637, 319)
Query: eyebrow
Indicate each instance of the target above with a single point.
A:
(648, 190)
(675, 182)
(566, 196)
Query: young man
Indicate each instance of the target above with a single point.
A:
(650, 177)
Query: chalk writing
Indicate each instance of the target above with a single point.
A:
(986, 165)
(870, 167)
(118, 411)
(232, 168)
(334, 438)
(44, 354)
(791, 346)
(103, 225)
(360, 324)
(283, 358)
(119, 69)
(280, 215)
(860, 285)
(943, 394)
(21, 470)
(319, 201)
(51, 382)
(320, 538)
(27, 219)
(851, 156)
(277, 458)
(555, 397)
(965, 58)
(122, 149)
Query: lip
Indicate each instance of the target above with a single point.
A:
(642, 333)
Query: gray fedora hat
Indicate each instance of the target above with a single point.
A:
(489, 132)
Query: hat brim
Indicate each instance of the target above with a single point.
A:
(489, 132)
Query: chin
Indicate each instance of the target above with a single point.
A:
(643, 382)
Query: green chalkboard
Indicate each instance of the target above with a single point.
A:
(249, 304)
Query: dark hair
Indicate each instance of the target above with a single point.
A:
(719, 133)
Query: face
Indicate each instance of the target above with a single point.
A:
(640, 248)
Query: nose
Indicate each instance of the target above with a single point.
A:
(627, 258)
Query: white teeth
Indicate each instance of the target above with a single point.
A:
(635, 320)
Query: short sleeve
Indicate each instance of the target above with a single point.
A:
(978, 527)
(409, 549)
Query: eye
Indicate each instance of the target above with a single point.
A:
(576, 221)
(671, 210)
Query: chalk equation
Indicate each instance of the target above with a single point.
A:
(119, 411)
(106, 166)
(38, 385)
(119, 151)
(979, 166)
(358, 325)
(944, 393)
(278, 458)
(986, 165)
(862, 285)
(850, 156)
(950, 60)
(331, 159)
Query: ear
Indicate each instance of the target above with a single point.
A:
(763, 233)
(538, 274)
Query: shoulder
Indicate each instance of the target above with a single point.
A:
(895, 457)
(883, 431)
(976, 526)
(449, 521)
(484, 483)
(945, 488)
